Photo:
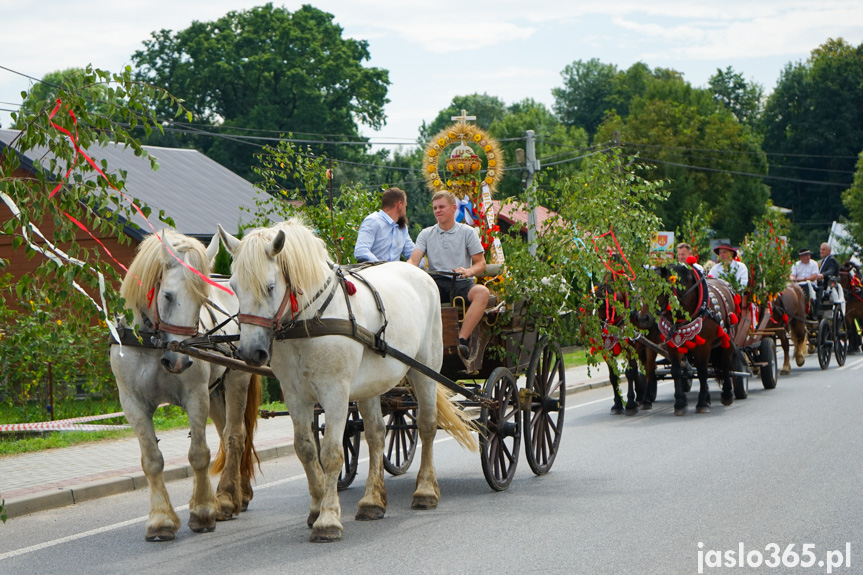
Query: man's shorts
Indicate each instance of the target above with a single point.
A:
(449, 291)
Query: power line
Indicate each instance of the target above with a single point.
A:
(630, 144)
(763, 176)
(769, 165)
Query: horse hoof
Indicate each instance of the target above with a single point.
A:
(199, 526)
(423, 502)
(800, 362)
(370, 513)
(326, 535)
(310, 520)
(631, 411)
(646, 406)
(726, 401)
(245, 506)
(159, 535)
(680, 411)
(785, 371)
(616, 411)
(702, 409)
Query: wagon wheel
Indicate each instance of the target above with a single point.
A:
(840, 336)
(500, 429)
(824, 344)
(543, 407)
(769, 372)
(350, 445)
(400, 442)
(741, 382)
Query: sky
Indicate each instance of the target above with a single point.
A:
(436, 50)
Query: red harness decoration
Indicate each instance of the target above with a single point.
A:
(686, 336)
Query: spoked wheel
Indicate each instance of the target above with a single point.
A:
(500, 429)
(824, 344)
(400, 442)
(545, 396)
(350, 445)
(769, 372)
(741, 382)
(840, 336)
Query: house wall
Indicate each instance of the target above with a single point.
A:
(20, 264)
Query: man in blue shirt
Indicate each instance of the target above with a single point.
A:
(383, 235)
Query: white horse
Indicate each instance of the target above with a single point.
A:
(282, 274)
(170, 300)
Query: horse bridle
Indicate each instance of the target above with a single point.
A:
(159, 325)
(289, 297)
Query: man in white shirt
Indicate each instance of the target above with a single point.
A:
(804, 272)
(729, 269)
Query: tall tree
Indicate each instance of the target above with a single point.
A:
(697, 154)
(813, 129)
(852, 198)
(742, 98)
(268, 69)
(586, 95)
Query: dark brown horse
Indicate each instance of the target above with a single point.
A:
(788, 316)
(641, 389)
(700, 335)
(849, 278)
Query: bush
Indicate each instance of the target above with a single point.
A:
(48, 333)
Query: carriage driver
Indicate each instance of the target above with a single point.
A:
(451, 246)
(804, 272)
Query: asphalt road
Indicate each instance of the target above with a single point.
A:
(653, 493)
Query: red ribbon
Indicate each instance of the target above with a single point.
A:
(79, 151)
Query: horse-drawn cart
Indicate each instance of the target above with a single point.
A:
(827, 332)
(504, 412)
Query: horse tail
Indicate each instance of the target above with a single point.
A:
(250, 422)
(454, 420)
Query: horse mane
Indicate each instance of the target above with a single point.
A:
(150, 262)
(303, 260)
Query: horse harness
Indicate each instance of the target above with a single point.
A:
(149, 338)
(682, 334)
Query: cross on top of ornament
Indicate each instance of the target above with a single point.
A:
(463, 118)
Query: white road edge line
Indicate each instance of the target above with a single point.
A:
(67, 539)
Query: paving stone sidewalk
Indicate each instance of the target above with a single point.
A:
(33, 482)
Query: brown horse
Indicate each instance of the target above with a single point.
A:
(849, 279)
(699, 335)
(641, 389)
(788, 315)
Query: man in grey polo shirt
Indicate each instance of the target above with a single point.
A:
(451, 246)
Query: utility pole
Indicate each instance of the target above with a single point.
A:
(532, 166)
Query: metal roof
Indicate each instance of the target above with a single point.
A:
(193, 190)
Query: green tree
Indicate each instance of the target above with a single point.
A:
(696, 153)
(852, 199)
(558, 145)
(586, 95)
(268, 69)
(742, 98)
(813, 129)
